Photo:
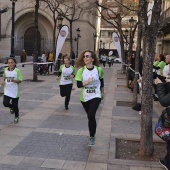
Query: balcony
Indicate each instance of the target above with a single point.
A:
(165, 21)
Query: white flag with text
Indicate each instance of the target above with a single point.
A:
(116, 41)
(60, 40)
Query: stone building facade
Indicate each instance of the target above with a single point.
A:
(24, 29)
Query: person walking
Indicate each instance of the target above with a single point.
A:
(23, 57)
(12, 77)
(159, 72)
(110, 61)
(90, 79)
(50, 59)
(104, 59)
(66, 73)
(43, 57)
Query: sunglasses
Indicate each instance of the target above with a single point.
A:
(87, 56)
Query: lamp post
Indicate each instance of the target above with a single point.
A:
(100, 44)
(77, 39)
(131, 24)
(12, 31)
(60, 21)
(103, 45)
(94, 36)
(126, 39)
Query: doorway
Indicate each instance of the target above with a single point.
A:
(29, 41)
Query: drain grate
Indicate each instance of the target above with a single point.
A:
(30, 80)
(121, 86)
(124, 103)
(121, 77)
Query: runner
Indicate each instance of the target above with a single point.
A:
(90, 79)
(12, 77)
(66, 73)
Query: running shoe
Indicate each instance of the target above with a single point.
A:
(91, 141)
(16, 120)
(66, 107)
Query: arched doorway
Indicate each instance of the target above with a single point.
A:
(29, 41)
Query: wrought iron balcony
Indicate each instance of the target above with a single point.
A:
(165, 21)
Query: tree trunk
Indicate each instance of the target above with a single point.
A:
(146, 142)
(54, 36)
(35, 55)
(135, 89)
(150, 35)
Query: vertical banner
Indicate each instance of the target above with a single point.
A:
(149, 14)
(60, 40)
(116, 41)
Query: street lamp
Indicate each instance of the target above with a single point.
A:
(94, 36)
(131, 24)
(77, 39)
(131, 21)
(60, 21)
(12, 31)
(100, 44)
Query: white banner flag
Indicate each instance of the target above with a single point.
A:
(60, 40)
(149, 14)
(116, 41)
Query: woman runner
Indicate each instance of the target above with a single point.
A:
(90, 79)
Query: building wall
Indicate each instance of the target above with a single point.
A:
(24, 19)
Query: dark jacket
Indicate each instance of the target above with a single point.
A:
(163, 91)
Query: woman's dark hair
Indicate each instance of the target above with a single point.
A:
(162, 57)
(11, 58)
(80, 61)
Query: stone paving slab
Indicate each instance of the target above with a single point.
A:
(53, 146)
(28, 105)
(35, 96)
(66, 122)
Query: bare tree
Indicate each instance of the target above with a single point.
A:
(71, 10)
(114, 13)
(35, 54)
(53, 5)
(150, 33)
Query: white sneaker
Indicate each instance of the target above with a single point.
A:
(140, 112)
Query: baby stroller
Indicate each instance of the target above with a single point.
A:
(42, 69)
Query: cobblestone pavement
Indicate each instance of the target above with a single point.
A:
(48, 137)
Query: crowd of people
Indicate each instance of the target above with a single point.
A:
(107, 59)
(161, 88)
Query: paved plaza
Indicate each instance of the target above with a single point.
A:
(48, 137)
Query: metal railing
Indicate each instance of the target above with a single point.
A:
(165, 15)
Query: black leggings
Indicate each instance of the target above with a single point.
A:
(91, 107)
(14, 105)
(65, 91)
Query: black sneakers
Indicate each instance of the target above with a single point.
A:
(163, 163)
(66, 107)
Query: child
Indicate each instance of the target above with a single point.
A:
(12, 77)
(66, 73)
